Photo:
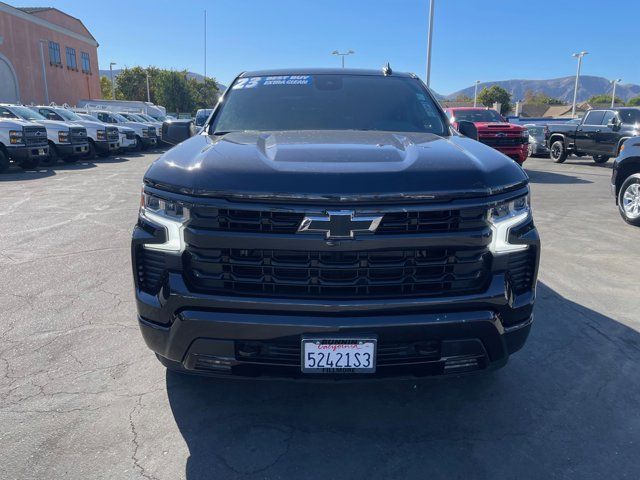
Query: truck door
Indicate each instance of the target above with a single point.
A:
(586, 131)
(607, 136)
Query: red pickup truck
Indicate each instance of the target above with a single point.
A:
(494, 130)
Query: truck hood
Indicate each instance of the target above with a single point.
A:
(90, 124)
(339, 165)
(498, 127)
(57, 124)
(15, 123)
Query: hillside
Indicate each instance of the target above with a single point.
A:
(561, 88)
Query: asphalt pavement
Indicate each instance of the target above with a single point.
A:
(81, 397)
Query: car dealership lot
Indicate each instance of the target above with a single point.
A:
(82, 397)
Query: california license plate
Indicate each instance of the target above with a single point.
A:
(339, 354)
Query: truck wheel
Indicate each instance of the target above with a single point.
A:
(91, 153)
(139, 146)
(4, 162)
(51, 159)
(530, 151)
(600, 158)
(29, 163)
(629, 200)
(557, 152)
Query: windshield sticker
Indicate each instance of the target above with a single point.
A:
(253, 82)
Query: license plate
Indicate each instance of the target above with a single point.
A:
(41, 151)
(338, 354)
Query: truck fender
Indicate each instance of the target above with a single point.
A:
(557, 136)
(622, 140)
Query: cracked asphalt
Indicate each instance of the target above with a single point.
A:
(82, 398)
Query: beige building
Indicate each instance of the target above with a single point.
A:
(46, 56)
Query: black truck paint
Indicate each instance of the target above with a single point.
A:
(600, 134)
(247, 280)
(625, 181)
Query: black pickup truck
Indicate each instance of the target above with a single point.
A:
(600, 134)
(332, 224)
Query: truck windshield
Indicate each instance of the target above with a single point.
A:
(68, 115)
(629, 116)
(535, 131)
(26, 113)
(329, 102)
(479, 115)
(119, 118)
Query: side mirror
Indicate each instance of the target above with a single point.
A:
(176, 131)
(613, 123)
(468, 129)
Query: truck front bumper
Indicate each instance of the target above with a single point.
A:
(251, 337)
(105, 146)
(149, 141)
(25, 153)
(72, 150)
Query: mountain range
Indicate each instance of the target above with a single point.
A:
(560, 88)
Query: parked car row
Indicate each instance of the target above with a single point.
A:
(44, 134)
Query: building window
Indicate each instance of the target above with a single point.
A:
(71, 58)
(54, 53)
(86, 63)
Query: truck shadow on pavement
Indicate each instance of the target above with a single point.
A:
(564, 407)
(538, 176)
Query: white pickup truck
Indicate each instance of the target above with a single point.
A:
(21, 142)
(127, 135)
(145, 134)
(67, 141)
(103, 140)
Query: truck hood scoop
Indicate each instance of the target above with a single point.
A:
(334, 164)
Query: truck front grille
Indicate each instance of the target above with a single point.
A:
(503, 141)
(113, 134)
(340, 274)
(283, 222)
(78, 135)
(35, 136)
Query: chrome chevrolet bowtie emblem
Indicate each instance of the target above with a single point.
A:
(339, 224)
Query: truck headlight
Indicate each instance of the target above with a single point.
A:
(101, 134)
(168, 214)
(63, 136)
(502, 218)
(16, 137)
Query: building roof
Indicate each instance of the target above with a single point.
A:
(34, 9)
(321, 71)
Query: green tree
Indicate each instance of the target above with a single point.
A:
(105, 87)
(205, 94)
(131, 84)
(463, 98)
(603, 99)
(634, 102)
(493, 94)
(174, 91)
(540, 98)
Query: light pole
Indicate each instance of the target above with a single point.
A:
(429, 38)
(148, 91)
(575, 88)
(44, 73)
(613, 94)
(475, 94)
(113, 85)
(349, 52)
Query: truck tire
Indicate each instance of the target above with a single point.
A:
(629, 200)
(52, 158)
(557, 152)
(29, 163)
(139, 146)
(4, 161)
(600, 158)
(91, 153)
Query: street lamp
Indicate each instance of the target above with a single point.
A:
(349, 52)
(113, 85)
(613, 94)
(148, 91)
(475, 94)
(429, 38)
(575, 88)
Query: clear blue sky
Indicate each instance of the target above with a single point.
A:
(473, 39)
